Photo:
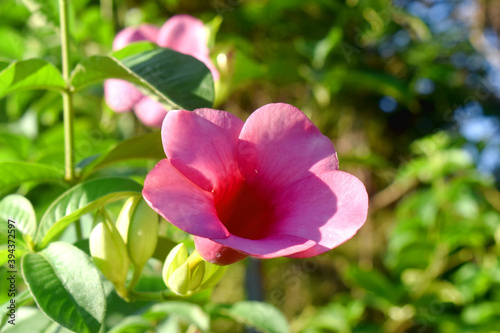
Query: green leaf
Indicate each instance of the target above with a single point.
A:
(14, 146)
(188, 312)
(21, 248)
(15, 173)
(148, 146)
(262, 316)
(4, 64)
(135, 48)
(82, 199)
(6, 209)
(30, 74)
(66, 286)
(20, 210)
(475, 314)
(56, 328)
(177, 79)
(31, 319)
(96, 69)
(375, 282)
(132, 324)
(170, 325)
(326, 45)
(380, 82)
(337, 317)
(246, 69)
(13, 42)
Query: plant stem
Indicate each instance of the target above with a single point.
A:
(78, 229)
(67, 94)
(68, 137)
(135, 277)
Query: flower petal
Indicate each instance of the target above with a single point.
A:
(150, 112)
(276, 245)
(181, 202)
(187, 34)
(121, 95)
(328, 208)
(202, 146)
(135, 34)
(216, 253)
(280, 145)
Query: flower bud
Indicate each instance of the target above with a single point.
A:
(186, 275)
(138, 226)
(197, 269)
(176, 262)
(179, 280)
(109, 252)
(212, 276)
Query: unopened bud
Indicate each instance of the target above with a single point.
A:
(197, 268)
(179, 280)
(138, 226)
(212, 276)
(186, 275)
(109, 252)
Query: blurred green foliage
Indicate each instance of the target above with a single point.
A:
(428, 258)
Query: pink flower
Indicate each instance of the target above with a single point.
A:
(267, 188)
(181, 33)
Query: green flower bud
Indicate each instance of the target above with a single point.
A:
(197, 269)
(186, 275)
(138, 226)
(109, 252)
(179, 280)
(212, 276)
(177, 256)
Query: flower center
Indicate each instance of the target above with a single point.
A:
(245, 212)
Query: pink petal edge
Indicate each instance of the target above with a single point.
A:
(216, 253)
(328, 208)
(270, 247)
(135, 34)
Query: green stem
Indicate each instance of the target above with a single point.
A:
(67, 94)
(68, 137)
(135, 277)
(78, 229)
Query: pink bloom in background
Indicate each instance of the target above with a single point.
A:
(267, 188)
(181, 33)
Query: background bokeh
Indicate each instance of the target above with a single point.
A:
(408, 91)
